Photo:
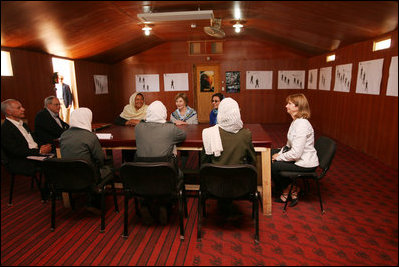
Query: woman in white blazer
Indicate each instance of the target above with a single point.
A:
(299, 153)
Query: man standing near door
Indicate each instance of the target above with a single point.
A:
(65, 97)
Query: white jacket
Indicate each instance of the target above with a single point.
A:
(300, 140)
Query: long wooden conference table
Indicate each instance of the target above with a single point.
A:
(123, 137)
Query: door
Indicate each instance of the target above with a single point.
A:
(207, 83)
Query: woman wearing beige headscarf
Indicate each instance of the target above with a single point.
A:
(134, 112)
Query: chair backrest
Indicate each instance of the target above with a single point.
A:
(228, 181)
(149, 179)
(325, 148)
(69, 174)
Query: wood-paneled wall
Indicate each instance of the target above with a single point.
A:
(262, 106)
(368, 123)
(365, 122)
(32, 83)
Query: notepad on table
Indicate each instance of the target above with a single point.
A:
(104, 135)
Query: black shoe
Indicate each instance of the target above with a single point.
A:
(282, 199)
(163, 215)
(295, 197)
(146, 216)
(293, 202)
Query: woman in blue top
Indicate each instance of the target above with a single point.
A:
(216, 98)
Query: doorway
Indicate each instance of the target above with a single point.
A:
(207, 83)
(66, 68)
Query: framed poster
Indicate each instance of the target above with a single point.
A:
(392, 87)
(175, 81)
(259, 79)
(369, 74)
(312, 79)
(147, 83)
(343, 77)
(101, 84)
(232, 81)
(207, 80)
(325, 78)
(291, 79)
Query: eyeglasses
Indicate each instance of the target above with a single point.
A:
(215, 101)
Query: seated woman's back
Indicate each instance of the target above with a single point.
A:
(228, 143)
(155, 137)
(78, 142)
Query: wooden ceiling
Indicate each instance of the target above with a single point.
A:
(110, 31)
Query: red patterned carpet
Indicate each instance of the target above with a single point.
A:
(360, 226)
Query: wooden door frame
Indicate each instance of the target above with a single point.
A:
(195, 80)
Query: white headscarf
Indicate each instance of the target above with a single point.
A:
(81, 118)
(130, 112)
(229, 119)
(156, 112)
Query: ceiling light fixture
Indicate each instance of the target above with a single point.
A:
(237, 27)
(146, 30)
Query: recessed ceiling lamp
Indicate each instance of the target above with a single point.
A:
(146, 30)
(237, 27)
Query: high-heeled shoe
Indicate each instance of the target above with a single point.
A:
(282, 199)
(295, 197)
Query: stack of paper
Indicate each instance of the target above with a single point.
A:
(104, 135)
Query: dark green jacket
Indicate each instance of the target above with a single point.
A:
(237, 149)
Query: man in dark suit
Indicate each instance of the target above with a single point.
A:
(48, 125)
(66, 101)
(16, 139)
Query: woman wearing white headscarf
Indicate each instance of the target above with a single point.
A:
(79, 142)
(155, 137)
(155, 141)
(227, 142)
(134, 112)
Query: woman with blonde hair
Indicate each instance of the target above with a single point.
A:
(183, 114)
(299, 153)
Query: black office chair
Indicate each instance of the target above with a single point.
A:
(75, 176)
(228, 182)
(325, 148)
(153, 180)
(23, 172)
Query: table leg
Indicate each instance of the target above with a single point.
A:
(266, 182)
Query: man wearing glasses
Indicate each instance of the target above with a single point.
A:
(48, 125)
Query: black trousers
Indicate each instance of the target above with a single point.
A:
(280, 182)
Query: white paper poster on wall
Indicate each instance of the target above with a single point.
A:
(343, 77)
(312, 79)
(325, 78)
(291, 79)
(392, 87)
(369, 76)
(259, 79)
(147, 83)
(175, 81)
(101, 84)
